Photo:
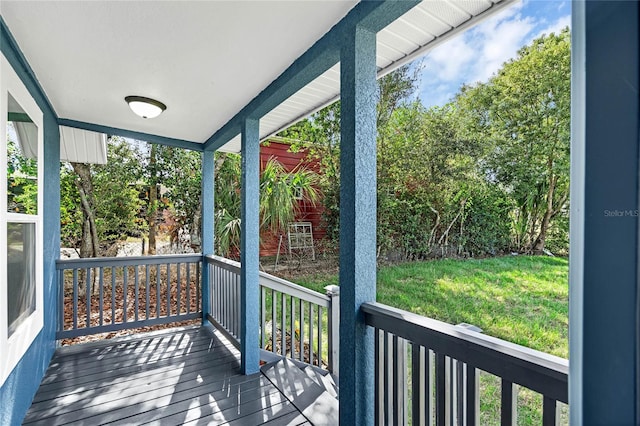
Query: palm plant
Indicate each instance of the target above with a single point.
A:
(279, 194)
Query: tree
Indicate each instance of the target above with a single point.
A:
(108, 198)
(524, 111)
(320, 136)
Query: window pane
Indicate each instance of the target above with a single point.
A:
(22, 161)
(21, 273)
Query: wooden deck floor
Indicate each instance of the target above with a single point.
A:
(189, 376)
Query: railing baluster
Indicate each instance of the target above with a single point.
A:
(509, 403)
(61, 311)
(283, 324)
(158, 299)
(273, 321)
(442, 390)
(549, 411)
(379, 377)
(301, 310)
(310, 333)
(236, 302)
(88, 299)
(418, 395)
(113, 295)
(136, 282)
(75, 298)
(101, 295)
(147, 290)
(229, 299)
(472, 396)
(292, 326)
(396, 374)
(188, 288)
(263, 316)
(319, 336)
(125, 277)
(215, 291)
(236, 305)
(230, 289)
(168, 289)
(198, 281)
(388, 378)
(457, 370)
(178, 285)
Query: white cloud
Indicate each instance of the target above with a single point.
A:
(449, 62)
(555, 27)
(477, 54)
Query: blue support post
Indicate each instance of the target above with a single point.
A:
(249, 248)
(207, 225)
(357, 224)
(603, 311)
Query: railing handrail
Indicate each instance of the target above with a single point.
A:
(95, 262)
(539, 371)
(274, 283)
(228, 264)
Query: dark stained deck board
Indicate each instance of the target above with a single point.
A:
(189, 375)
(74, 362)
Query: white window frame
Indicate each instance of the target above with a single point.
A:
(13, 348)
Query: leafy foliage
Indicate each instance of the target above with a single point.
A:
(116, 197)
(523, 113)
(485, 174)
(22, 173)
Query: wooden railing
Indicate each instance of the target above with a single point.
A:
(427, 371)
(295, 322)
(107, 294)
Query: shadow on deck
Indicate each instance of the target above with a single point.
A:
(178, 376)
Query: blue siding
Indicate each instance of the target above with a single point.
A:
(18, 390)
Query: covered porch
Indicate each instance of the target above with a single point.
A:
(391, 366)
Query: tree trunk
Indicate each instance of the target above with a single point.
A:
(196, 234)
(90, 245)
(538, 245)
(153, 201)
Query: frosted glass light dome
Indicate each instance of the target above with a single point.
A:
(145, 107)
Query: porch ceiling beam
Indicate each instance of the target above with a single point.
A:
(325, 53)
(147, 137)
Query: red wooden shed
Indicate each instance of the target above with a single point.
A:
(280, 149)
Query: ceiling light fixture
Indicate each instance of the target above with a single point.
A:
(145, 107)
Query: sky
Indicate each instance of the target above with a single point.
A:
(478, 53)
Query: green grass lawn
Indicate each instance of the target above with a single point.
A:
(522, 299)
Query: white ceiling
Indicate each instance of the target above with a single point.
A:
(204, 59)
